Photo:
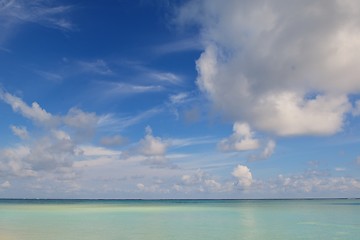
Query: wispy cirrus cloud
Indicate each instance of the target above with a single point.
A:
(98, 66)
(184, 142)
(143, 73)
(126, 88)
(5, 50)
(14, 13)
(165, 77)
(51, 76)
(119, 123)
(183, 45)
(43, 12)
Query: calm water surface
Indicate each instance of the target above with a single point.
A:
(179, 219)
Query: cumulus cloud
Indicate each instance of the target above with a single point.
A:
(13, 163)
(84, 123)
(154, 188)
(243, 175)
(5, 184)
(287, 68)
(266, 152)
(33, 112)
(311, 182)
(241, 140)
(140, 186)
(53, 154)
(20, 131)
(76, 119)
(201, 181)
(152, 146)
(269, 149)
(53, 151)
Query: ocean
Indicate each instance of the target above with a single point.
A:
(179, 219)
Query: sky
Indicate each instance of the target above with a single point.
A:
(179, 99)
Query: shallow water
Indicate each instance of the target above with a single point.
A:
(179, 219)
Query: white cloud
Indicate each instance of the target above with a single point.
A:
(99, 67)
(84, 123)
(54, 77)
(44, 12)
(311, 182)
(33, 112)
(179, 46)
(88, 150)
(152, 146)
(20, 131)
(286, 68)
(115, 124)
(140, 186)
(12, 162)
(179, 98)
(200, 181)
(5, 184)
(51, 152)
(340, 169)
(243, 175)
(269, 149)
(165, 76)
(125, 88)
(265, 153)
(187, 103)
(184, 142)
(241, 140)
(154, 188)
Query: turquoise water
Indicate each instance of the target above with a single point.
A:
(179, 219)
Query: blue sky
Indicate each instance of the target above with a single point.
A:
(179, 99)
